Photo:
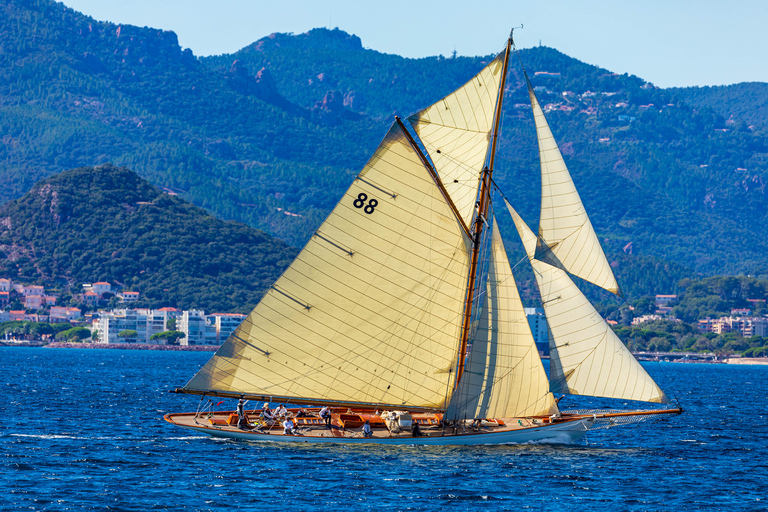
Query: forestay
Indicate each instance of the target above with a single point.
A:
(586, 357)
(566, 237)
(504, 377)
(455, 132)
(369, 312)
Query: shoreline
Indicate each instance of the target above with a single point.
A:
(214, 348)
(117, 346)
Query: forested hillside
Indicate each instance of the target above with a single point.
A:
(108, 224)
(272, 135)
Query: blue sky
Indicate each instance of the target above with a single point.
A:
(668, 42)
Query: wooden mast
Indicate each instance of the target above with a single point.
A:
(482, 215)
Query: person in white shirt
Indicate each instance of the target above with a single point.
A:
(281, 411)
(288, 427)
(326, 415)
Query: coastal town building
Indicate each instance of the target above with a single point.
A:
(225, 324)
(5, 285)
(538, 323)
(101, 288)
(128, 296)
(144, 321)
(60, 314)
(197, 328)
(743, 325)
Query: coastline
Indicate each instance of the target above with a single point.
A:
(747, 360)
(132, 346)
(214, 348)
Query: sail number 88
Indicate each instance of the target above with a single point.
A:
(360, 203)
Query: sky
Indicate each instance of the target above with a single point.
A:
(671, 43)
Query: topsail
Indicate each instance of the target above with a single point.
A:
(566, 238)
(456, 131)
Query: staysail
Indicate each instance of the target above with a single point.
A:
(456, 131)
(370, 311)
(566, 237)
(586, 356)
(503, 377)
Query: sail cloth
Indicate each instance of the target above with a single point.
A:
(370, 310)
(456, 132)
(503, 377)
(566, 237)
(586, 356)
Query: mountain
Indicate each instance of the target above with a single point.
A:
(745, 102)
(107, 224)
(272, 135)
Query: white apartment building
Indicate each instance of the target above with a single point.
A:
(226, 323)
(745, 326)
(538, 323)
(128, 296)
(197, 328)
(145, 322)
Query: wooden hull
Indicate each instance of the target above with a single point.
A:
(563, 432)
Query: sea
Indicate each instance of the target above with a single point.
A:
(84, 430)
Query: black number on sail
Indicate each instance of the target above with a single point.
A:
(360, 202)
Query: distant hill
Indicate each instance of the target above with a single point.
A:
(272, 135)
(746, 102)
(107, 224)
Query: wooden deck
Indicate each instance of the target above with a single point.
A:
(347, 424)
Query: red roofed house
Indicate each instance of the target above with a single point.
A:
(101, 288)
(90, 298)
(128, 296)
(33, 301)
(64, 314)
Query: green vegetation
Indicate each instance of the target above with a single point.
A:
(31, 330)
(128, 334)
(710, 297)
(666, 336)
(74, 334)
(107, 224)
(170, 337)
(283, 125)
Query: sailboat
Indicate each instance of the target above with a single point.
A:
(401, 318)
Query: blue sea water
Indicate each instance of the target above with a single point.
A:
(83, 430)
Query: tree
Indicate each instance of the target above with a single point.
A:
(170, 337)
(74, 334)
(170, 324)
(128, 335)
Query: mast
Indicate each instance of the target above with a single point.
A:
(482, 212)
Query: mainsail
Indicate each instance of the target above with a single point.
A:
(370, 310)
(586, 356)
(456, 131)
(504, 377)
(566, 237)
